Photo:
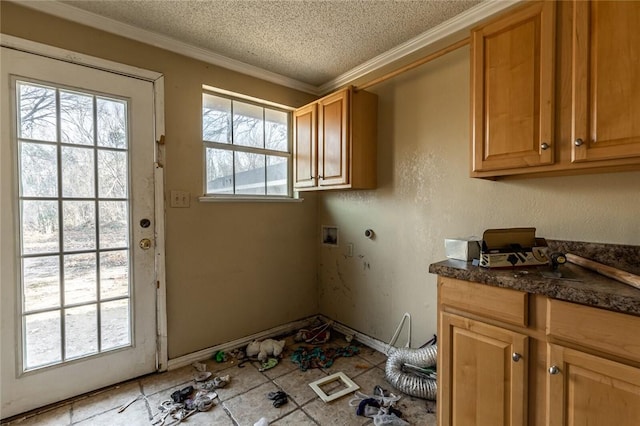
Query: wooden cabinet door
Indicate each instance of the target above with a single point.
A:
(606, 80)
(589, 390)
(482, 374)
(512, 64)
(333, 139)
(305, 147)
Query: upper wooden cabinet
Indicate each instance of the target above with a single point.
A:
(512, 85)
(606, 80)
(335, 141)
(533, 115)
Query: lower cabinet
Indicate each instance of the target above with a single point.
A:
(483, 374)
(589, 390)
(546, 363)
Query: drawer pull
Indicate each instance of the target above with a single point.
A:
(553, 370)
(516, 357)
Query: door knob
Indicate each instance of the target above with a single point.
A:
(578, 142)
(516, 357)
(544, 146)
(145, 244)
(553, 370)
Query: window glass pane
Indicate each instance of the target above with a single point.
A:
(40, 227)
(115, 324)
(277, 175)
(38, 170)
(276, 130)
(112, 174)
(76, 118)
(77, 172)
(80, 282)
(250, 173)
(41, 282)
(216, 119)
(248, 129)
(81, 331)
(219, 171)
(43, 342)
(112, 123)
(114, 224)
(37, 112)
(114, 274)
(79, 225)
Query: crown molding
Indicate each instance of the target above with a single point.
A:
(109, 25)
(455, 29)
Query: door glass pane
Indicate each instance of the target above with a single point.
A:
(37, 112)
(91, 209)
(40, 227)
(277, 175)
(79, 225)
(219, 171)
(40, 165)
(80, 281)
(77, 172)
(112, 123)
(276, 130)
(41, 282)
(43, 340)
(248, 129)
(115, 324)
(250, 173)
(81, 331)
(76, 118)
(112, 174)
(114, 274)
(114, 224)
(216, 119)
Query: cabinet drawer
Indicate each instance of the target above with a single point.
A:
(504, 305)
(602, 330)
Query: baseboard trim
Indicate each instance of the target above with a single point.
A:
(208, 353)
(372, 342)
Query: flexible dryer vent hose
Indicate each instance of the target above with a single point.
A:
(408, 383)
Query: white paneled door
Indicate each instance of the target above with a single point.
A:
(78, 286)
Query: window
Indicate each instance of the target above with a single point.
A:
(247, 148)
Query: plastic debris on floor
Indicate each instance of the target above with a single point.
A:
(308, 357)
(379, 407)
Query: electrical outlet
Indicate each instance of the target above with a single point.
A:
(180, 199)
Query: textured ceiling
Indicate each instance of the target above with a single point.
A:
(312, 41)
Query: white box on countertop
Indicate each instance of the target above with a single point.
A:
(465, 249)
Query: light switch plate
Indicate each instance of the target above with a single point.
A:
(180, 199)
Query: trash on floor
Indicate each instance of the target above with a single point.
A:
(349, 386)
(190, 399)
(307, 357)
(265, 349)
(315, 336)
(279, 398)
(379, 407)
(262, 422)
(270, 363)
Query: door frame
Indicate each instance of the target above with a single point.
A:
(157, 79)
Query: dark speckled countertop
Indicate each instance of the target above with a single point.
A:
(580, 285)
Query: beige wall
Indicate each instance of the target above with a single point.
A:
(425, 195)
(233, 269)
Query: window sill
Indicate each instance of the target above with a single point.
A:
(247, 199)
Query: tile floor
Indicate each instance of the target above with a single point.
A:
(243, 401)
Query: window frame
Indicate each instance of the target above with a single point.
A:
(291, 195)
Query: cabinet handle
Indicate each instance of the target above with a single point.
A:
(553, 370)
(578, 142)
(544, 146)
(516, 357)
